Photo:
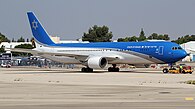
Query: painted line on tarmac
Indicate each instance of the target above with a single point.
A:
(189, 98)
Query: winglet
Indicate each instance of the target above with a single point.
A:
(38, 31)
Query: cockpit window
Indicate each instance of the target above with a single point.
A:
(179, 48)
(174, 48)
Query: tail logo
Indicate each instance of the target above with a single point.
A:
(34, 24)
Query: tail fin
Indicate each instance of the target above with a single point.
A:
(38, 31)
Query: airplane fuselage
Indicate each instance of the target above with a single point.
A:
(125, 52)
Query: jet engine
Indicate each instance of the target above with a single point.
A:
(97, 62)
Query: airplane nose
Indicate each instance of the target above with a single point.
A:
(183, 54)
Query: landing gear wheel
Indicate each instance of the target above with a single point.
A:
(110, 69)
(113, 69)
(84, 69)
(117, 69)
(165, 70)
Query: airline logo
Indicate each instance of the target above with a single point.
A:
(34, 24)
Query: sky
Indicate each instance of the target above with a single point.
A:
(69, 19)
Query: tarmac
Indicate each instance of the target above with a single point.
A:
(143, 88)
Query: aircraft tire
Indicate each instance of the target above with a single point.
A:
(86, 69)
(83, 69)
(111, 69)
(117, 69)
(165, 70)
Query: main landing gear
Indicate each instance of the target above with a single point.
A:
(110, 69)
(86, 69)
(113, 68)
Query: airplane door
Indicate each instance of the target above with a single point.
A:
(161, 50)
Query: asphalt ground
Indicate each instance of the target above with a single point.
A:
(144, 88)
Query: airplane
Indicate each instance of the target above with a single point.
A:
(97, 55)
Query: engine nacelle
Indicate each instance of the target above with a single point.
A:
(97, 62)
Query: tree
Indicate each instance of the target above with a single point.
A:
(98, 34)
(166, 37)
(133, 39)
(192, 38)
(184, 39)
(24, 46)
(2, 49)
(153, 36)
(121, 40)
(3, 38)
(142, 36)
(159, 37)
(128, 39)
(21, 39)
(13, 40)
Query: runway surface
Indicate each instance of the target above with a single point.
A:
(30, 88)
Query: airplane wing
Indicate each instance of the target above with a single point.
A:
(76, 56)
(22, 50)
(33, 51)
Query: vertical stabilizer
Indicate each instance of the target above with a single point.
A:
(38, 31)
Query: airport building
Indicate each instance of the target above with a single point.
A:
(189, 46)
(12, 44)
(57, 40)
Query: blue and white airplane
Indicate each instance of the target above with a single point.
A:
(100, 54)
